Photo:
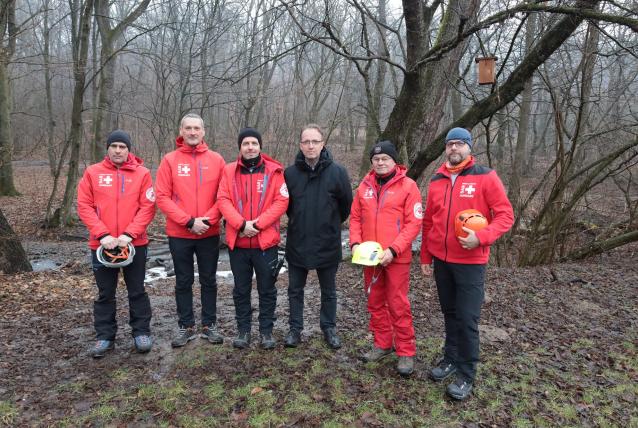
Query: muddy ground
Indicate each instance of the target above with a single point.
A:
(559, 348)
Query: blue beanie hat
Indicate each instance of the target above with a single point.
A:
(461, 134)
(119, 136)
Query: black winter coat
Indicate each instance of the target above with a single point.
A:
(320, 201)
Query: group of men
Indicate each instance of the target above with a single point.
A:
(195, 189)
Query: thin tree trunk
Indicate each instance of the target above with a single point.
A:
(514, 193)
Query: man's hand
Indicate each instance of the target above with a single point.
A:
(426, 270)
(249, 228)
(109, 242)
(386, 258)
(199, 227)
(123, 240)
(471, 241)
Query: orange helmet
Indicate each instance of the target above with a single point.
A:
(472, 219)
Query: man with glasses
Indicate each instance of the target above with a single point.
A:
(459, 262)
(320, 199)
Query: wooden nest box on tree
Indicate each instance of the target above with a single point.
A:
(486, 70)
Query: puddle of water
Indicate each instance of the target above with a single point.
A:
(43, 265)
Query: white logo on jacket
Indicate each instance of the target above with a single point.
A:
(105, 180)
(369, 193)
(150, 194)
(260, 185)
(467, 190)
(418, 210)
(183, 170)
(283, 190)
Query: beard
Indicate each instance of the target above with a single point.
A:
(455, 159)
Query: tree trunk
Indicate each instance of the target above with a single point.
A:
(81, 50)
(48, 92)
(419, 109)
(601, 246)
(105, 119)
(8, 34)
(514, 192)
(12, 256)
(7, 188)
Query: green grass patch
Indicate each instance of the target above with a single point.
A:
(8, 413)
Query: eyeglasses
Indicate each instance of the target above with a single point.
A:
(379, 159)
(313, 142)
(459, 144)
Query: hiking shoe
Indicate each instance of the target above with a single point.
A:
(405, 366)
(293, 338)
(375, 354)
(267, 341)
(242, 340)
(143, 343)
(442, 371)
(101, 348)
(460, 389)
(184, 335)
(331, 338)
(210, 333)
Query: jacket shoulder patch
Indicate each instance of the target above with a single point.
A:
(283, 190)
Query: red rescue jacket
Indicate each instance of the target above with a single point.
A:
(390, 215)
(186, 187)
(476, 187)
(244, 197)
(113, 201)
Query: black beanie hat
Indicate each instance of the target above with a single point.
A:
(119, 136)
(248, 132)
(387, 148)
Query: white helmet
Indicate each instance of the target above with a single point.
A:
(118, 257)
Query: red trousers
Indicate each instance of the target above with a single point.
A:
(389, 307)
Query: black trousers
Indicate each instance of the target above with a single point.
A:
(461, 292)
(297, 281)
(243, 262)
(207, 252)
(104, 307)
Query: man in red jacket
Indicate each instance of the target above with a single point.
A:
(116, 203)
(459, 263)
(387, 209)
(252, 198)
(186, 187)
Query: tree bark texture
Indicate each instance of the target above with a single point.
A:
(13, 258)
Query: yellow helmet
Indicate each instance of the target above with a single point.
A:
(367, 253)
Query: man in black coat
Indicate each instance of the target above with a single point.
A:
(320, 199)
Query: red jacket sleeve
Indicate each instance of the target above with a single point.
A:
(355, 220)
(145, 210)
(500, 208)
(213, 213)
(279, 203)
(226, 205)
(86, 208)
(412, 216)
(426, 257)
(164, 193)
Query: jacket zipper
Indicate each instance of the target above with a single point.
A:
(449, 210)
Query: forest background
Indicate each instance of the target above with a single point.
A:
(559, 124)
